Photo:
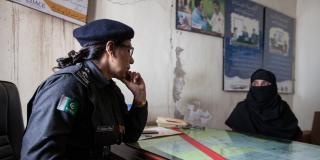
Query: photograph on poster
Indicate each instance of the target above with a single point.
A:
(244, 31)
(278, 41)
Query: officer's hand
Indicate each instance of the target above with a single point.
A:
(136, 85)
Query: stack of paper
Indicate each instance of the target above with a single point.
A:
(170, 122)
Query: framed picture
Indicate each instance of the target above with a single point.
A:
(278, 48)
(201, 16)
(74, 11)
(243, 43)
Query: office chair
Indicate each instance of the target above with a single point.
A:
(315, 131)
(313, 136)
(11, 123)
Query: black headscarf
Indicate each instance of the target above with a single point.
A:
(264, 112)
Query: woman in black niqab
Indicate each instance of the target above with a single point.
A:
(263, 111)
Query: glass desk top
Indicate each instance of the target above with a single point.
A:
(230, 145)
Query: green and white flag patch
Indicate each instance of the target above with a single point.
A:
(68, 105)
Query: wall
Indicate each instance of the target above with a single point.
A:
(30, 42)
(34, 40)
(306, 98)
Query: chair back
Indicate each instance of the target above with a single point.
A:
(315, 132)
(11, 123)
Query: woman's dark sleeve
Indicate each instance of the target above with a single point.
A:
(235, 117)
(53, 114)
(135, 121)
(291, 122)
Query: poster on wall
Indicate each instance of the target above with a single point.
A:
(74, 11)
(201, 16)
(278, 48)
(243, 43)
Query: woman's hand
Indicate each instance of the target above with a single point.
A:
(136, 85)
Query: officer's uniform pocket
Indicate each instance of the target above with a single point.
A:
(106, 135)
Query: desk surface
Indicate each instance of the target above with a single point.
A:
(230, 145)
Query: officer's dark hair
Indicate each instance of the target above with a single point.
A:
(90, 52)
(197, 3)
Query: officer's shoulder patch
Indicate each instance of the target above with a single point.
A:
(66, 104)
(82, 75)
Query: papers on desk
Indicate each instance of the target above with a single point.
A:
(154, 132)
(170, 122)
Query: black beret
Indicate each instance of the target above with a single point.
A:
(102, 30)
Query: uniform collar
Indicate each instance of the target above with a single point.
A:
(99, 79)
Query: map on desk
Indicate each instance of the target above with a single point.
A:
(230, 145)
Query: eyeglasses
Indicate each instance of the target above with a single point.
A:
(131, 49)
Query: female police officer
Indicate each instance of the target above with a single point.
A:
(79, 111)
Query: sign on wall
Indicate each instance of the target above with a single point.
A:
(257, 37)
(74, 11)
(278, 48)
(201, 16)
(243, 43)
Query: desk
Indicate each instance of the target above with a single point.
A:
(228, 144)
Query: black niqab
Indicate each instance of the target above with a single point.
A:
(264, 112)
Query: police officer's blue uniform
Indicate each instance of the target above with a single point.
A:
(78, 111)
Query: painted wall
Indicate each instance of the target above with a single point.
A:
(31, 41)
(306, 98)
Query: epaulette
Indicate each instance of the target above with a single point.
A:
(82, 74)
(79, 71)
